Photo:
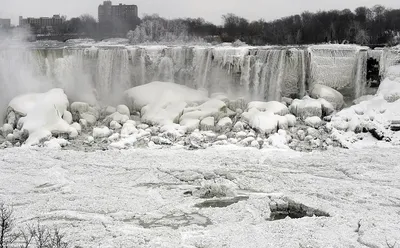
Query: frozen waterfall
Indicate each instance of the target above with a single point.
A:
(102, 73)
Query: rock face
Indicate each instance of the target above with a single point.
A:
(331, 95)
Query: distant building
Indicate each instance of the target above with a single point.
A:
(117, 18)
(42, 24)
(5, 23)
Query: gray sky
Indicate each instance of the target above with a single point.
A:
(211, 10)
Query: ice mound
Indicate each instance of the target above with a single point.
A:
(42, 114)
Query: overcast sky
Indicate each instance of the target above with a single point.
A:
(211, 10)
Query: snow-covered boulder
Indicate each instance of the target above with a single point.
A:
(327, 107)
(331, 95)
(224, 124)
(161, 93)
(273, 107)
(117, 117)
(114, 137)
(291, 120)
(109, 110)
(43, 114)
(128, 129)
(81, 110)
(313, 121)
(115, 125)
(67, 116)
(6, 129)
(307, 107)
(207, 124)
(163, 112)
(239, 126)
(79, 107)
(282, 122)
(213, 107)
(123, 110)
(101, 132)
(278, 140)
(287, 101)
(239, 103)
(263, 122)
(190, 124)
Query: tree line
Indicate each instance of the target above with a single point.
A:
(376, 25)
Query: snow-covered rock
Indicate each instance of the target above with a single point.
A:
(101, 132)
(123, 110)
(67, 116)
(160, 94)
(282, 122)
(224, 124)
(222, 137)
(331, 95)
(307, 107)
(114, 137)
(43, 114)
(313, 121)
(117, 117)
(128, 129)
(207, 124)
(6, 129)
(327, 107)
(239, 126)
(114, 125)
(291, 120)
(278, 140)
(263, 122)
(83, 123)
(273, 107)
(190, 124)
(109, 110)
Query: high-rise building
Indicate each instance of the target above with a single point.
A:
(5, 23)
(118, 18)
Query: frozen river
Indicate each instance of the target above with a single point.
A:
(150, 198)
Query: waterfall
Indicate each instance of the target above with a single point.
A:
(100, 73)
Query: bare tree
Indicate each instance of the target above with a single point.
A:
(6, 226)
